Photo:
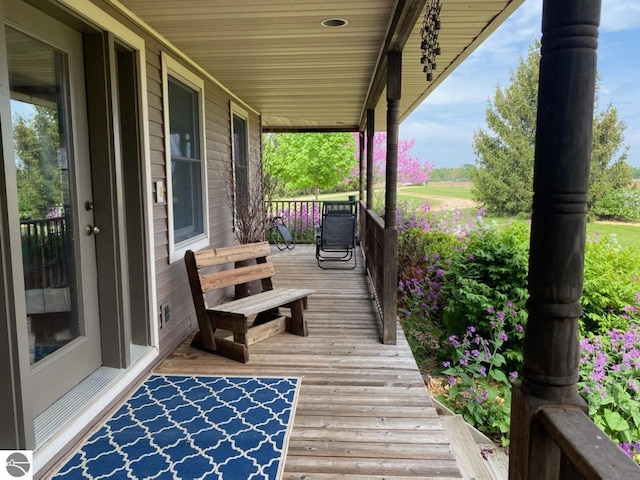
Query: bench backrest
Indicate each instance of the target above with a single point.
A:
(201, 282)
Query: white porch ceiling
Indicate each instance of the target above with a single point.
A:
(277, 57)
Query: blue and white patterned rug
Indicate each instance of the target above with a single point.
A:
(188, 427)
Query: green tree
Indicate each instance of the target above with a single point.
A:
(37, 143)
(503, 181)
(309, 161)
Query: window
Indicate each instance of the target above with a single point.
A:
(240, 160)
(186, 172)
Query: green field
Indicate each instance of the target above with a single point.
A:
(441, 189)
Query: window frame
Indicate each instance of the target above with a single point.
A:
(171, 68)
(236, 110)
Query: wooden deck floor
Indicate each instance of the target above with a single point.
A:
(363, 411)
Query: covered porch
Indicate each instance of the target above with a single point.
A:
(363, 409)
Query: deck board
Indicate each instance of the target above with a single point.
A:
(363, 410)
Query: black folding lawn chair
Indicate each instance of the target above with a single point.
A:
(336, 235)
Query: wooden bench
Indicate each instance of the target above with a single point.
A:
(233, 316)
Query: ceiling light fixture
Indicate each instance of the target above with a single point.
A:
(333, 22)
(429, 32)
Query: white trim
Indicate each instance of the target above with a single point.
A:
(87, 417)
(184, 75)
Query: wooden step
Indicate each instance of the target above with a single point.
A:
(465, 448)
(496, 459)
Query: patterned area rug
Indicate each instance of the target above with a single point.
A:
(188, 427)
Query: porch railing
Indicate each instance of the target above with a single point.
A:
(300, 216)
(567, 444)
(379, 244)
(45, 250)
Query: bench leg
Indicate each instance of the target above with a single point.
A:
(297, 324)
(233, 350)
(237, 350)
(203, 340)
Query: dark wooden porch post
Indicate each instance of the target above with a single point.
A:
(371, 120)
(390, 274)
(561, 180)
(362, 158)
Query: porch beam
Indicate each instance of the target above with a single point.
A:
(390, 274)
(403, 21)
(558, 232)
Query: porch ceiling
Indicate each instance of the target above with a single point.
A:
(277, 57)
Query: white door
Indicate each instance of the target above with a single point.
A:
(46, 78)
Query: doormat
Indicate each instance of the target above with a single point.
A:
(188, 427)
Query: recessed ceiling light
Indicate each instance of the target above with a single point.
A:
(333, 22)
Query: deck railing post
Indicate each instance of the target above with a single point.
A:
(390, 273)
(362, 165)
(558, 232)
(371, 117)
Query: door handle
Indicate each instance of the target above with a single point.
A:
(91, 230)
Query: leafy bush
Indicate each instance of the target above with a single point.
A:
(417, 247)
(610, 383)
(488, 278)
(621, 204)
(420, 305)
(610, 285)
(479, 389)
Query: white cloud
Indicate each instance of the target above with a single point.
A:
(620, 15)
(452, 131)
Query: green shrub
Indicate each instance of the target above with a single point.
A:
(610, 284)
(479, 388)
(621, 204)
(488, 278)
(610, 371)
(415, 244)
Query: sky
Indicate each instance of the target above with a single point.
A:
(443, 125)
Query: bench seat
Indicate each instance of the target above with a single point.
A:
(261, 302)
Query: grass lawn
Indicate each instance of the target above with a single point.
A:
(444, 189)
(626, 234)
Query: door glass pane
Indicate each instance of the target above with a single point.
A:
(38, 82)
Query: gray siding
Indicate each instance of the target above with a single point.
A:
(171, 280)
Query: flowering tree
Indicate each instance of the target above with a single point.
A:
(411, 168)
